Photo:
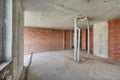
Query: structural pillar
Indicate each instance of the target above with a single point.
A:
(75, 39)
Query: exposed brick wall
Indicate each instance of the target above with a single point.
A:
(114, 39)
(91, 39)
(67, 39)
(84, 39)
(37, 39)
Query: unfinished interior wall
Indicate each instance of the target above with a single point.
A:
(114, 39)
(67, 39)
(91, 39)
(101, 39)
(14, 19)
(39, 39)
(1, 6)
(84, 39)
(71, 39)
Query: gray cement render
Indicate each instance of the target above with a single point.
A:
(100, 39)
(59, 14)
(18, 41)
(0, 30)
(59, 65)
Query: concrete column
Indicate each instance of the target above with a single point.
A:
(75, 39)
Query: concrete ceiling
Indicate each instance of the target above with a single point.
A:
(59, 14)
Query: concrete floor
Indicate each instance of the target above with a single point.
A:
(59, 65)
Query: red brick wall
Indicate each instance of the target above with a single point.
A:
(114, 39)
(67, 37)
(91, 39)
(84, 39)
(37, 39)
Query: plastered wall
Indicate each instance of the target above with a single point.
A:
(91, 40)
(100, 39)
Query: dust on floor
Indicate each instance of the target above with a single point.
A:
(59, 65)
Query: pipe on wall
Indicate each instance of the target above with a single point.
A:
(88, 40)
(76, 42)
(75, 39)
(78, 45)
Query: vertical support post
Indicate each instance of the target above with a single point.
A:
(88, 40)
(75, 39)
(78, 45)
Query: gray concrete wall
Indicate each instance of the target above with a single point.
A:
(0, 30)
(14, 22)
(100, 39)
